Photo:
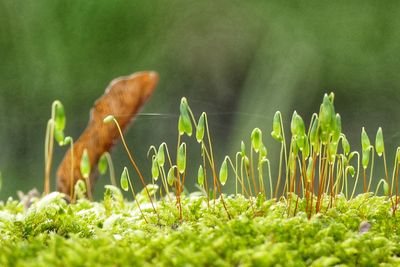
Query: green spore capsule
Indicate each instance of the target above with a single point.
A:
(332, 149)
(324, 137)
(184, 117)
(68, 140)
(263, 152)
(59, 118)
(326, 113)
(298, 130)
(242, 149)
(200, 128)
(124, 181)
(365, 143)
(301, 141)
(299, 124)
(365, 157)
(337, 129)
(161, 155)
(385, 188)
(345, 145)
(223, 172)
(154, 169)
(256, 139)
(80, 189)
(181, 158)
(181, 127)
(293, 125)
(59, 137)
(247, 163)
(85, 164)
(171, 176)
(332, 97)
(292, 163)
(276, 127)
(200, 176)
(379, 144)
(102, 165)
(351, 170)
(306, 149)
(108, 119)
(309, 170)
(314, 135)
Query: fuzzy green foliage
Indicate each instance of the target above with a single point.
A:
(112, 233)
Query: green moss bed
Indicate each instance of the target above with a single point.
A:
(50, 232)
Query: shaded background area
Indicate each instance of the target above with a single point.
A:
(239, 61)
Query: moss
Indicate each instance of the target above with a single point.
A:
(112, 233)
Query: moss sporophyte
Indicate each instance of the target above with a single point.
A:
(303, 212)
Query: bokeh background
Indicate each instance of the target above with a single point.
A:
(239, 61)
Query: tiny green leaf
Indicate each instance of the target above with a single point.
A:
(256, 139)
(200, 128)
(181, 158)
(223, 172)
(125, 180)
(85, 164)
(379, 144)
(103, 165)
(200, 176)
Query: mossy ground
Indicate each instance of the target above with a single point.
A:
(113, 233)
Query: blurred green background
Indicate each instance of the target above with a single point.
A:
(239, 61)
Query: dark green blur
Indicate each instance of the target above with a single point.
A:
(239, 61)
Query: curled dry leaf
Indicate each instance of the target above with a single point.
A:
(123, 98)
